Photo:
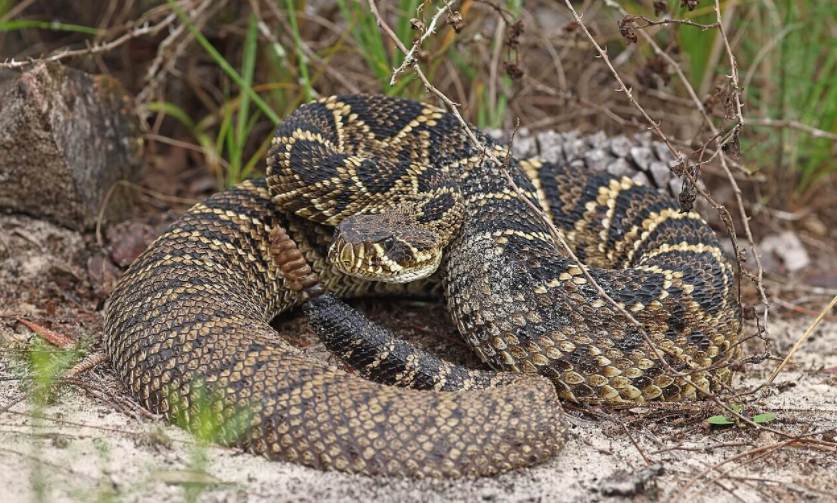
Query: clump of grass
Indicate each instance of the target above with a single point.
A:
(788, 52)
(211, 420)
(47, 364)
(367, 36)
(23, 24)
(807, 88)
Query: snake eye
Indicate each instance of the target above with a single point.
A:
(388, 242)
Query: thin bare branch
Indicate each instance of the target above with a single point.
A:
(140, 30)
(658, 22)
(790, 124)
(802, 339)
(410, 56)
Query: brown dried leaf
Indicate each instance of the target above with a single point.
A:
(660, 7)
(688, 193)
(733, 146)
(627, 28)
(513, 34)
(54, 338)
(456, 21)
(513, 70)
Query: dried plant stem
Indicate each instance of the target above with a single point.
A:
(658, 22)
(791, 124)
(410, 56)
(138, 31)
(745, 220)
(801, 339)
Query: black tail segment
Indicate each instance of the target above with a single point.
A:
(382, 357)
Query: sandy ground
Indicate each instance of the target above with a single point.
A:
(90, 442)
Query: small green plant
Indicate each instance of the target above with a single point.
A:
(722, 420)
(47, 364)
(211, 420)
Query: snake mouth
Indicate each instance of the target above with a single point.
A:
(375, 262)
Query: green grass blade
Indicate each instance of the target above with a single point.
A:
(248, 67)
(237, 138)
(173, 111)
(223, 64)
(302, 61)
(23, 24)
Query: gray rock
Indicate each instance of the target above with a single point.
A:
(66, 138)
(525, 144)
(641, 178)
(660, 173)
(787, 248)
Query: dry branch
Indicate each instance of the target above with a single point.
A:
(410, 56)
(140, 30)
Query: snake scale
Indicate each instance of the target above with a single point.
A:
(187, 327)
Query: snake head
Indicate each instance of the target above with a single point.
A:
(386, 247)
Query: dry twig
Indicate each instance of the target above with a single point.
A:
(802, 338)
(141, 29)
(791, 124)
(410, 56)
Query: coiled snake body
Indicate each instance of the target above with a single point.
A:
(187, 326)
